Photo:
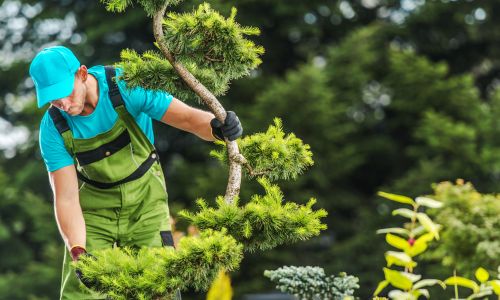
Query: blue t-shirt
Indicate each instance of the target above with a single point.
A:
(142, 104)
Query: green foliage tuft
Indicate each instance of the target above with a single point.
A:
(471, 235)
(210, 47)
(210, 41)
(150, 6)
(151, 71)
(263, 223)
(116, 5)
(312, 283)
(272, 154)
(150, 273)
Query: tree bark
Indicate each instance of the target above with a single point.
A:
(235, 158)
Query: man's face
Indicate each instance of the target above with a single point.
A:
(74, 103)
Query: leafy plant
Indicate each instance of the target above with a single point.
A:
(483, 289)
(411, 240)
(312, 283)
(470, 228)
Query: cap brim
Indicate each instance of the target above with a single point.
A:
(56, 91)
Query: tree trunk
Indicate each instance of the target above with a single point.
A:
(235, 158)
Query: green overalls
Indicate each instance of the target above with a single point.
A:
(121, 187)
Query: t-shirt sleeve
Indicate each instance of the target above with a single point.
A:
(139, 100)
(54, 153)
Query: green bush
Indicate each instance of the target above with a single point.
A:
(471, 228)
(156, 273)
(312, 283)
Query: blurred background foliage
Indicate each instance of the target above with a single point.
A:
(391, 95)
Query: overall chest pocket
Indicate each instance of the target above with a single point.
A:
(110, 161)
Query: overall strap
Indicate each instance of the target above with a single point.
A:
(58, 119)
(62, 127)
(119, 105)
(114, 92)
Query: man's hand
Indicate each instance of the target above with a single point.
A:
(231, 129)
(77, 252)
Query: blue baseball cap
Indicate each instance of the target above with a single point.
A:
(53, 72)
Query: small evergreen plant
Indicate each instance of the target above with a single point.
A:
(264, 222)
(156, 273)
(311, 283)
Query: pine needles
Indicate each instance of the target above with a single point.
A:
(264, 223)
(151, 273)
(209, 40)
(212, 48)
(150, 6)
(311, 283)
(151, 71)
(272, 154)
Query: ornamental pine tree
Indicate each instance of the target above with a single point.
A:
(198, 54)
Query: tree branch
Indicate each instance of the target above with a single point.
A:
(253, 173)
(212, 59)
(234, 180)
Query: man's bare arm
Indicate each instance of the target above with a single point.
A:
(67, 208)
(190, 119)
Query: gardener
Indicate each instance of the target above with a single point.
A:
(96, 139)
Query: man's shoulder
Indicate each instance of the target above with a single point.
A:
(101, 71)
(46, 119)
(47, 127)
(98, 72)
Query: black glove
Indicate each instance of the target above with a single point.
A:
(76, 253)
(231, 129)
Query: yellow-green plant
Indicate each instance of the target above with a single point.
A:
(156, 273)
(265, 222)
(483, 289)
(271, 154)
(410, 240)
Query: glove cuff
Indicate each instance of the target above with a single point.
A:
(76, 251)
(216, 131)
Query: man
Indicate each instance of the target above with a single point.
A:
(96, 140)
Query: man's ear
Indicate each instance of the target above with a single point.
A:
(83, 72)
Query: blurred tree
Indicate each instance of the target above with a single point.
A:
(28, 244)
(462, 33)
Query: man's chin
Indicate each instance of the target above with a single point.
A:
(75, 112)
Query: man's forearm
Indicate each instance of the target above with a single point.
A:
(200, 125)
(70, 221)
